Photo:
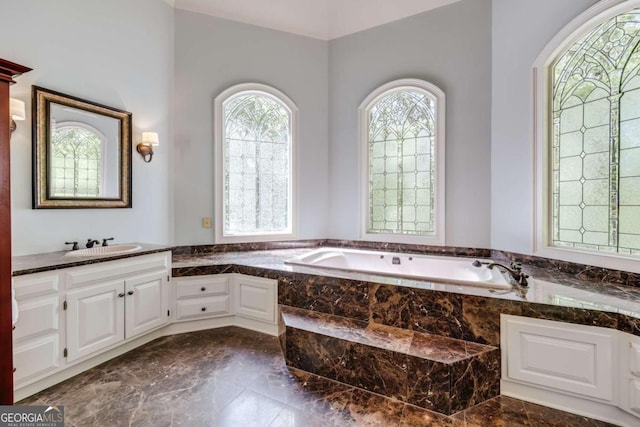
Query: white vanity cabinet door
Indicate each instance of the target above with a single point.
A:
(255, 298)
(146, 303)
(95, 318)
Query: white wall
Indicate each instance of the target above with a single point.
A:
(521, 29)
(212, 54)
(451, 48)
(117, 53)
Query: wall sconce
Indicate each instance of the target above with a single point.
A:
(145, 147)
(17, 111)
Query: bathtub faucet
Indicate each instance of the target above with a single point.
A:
(515, 271)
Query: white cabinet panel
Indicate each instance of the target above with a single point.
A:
(95, 318)
(634, 358)
(570, 358)
(634, 396)
(37, 357)
(203, 307)
(38, 316)
(94, 273)
(145, 303)
(32, 285)
(255, 298)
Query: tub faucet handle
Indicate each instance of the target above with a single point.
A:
(75, 245)
(104, 241)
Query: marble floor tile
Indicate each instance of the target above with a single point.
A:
(238, 378)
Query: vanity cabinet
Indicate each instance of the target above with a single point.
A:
(109, 303)
(71, 315)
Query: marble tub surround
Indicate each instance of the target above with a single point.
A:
(234, 377)
(28, 264)
(462, 312)
(430, 371)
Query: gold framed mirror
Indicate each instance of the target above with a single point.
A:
(81, 153)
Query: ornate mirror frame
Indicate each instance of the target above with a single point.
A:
(41, 155)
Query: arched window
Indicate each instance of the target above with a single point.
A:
(77, 161)
(589, 135)
(255, 128)
(402, 156)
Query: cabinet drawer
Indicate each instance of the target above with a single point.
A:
(203, 307)
(202, 286)
(33, 285)
(37, 317)
(36, 357)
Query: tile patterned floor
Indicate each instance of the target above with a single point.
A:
(234, 377)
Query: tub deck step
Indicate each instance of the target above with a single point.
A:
(434, 372)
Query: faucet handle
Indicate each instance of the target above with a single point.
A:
(517, 266)
(104, 241)
(75, 245)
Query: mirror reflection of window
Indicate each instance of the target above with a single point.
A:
(77, 169)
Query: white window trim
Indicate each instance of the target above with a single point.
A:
(438, 96)
(541, 90)
(272, 92)
(103, 149)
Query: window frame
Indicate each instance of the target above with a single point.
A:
(437, 95)
(271, 92)
(543, 126)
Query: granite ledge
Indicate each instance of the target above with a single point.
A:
(37, 263)
(413, 343)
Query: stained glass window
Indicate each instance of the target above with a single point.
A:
(401, 148)
(75, 161)
(257, 164)
(596, 140)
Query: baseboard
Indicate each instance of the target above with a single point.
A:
(575, 405)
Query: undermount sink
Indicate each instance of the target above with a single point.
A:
(105, 250)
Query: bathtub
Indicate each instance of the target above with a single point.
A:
(418, 267)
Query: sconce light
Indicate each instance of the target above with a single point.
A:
(149, 140)
(16, 112)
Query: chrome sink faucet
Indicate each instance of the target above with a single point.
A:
(515, 271)
(91, 242)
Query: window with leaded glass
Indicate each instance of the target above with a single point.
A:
(76, 166)
(402, 145)
(594, 137)
(256, 132)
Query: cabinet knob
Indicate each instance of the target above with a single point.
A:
(204, 308)
(121, 295)
(130, 293)
(203, 289)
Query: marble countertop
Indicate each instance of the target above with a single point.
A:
(545, 287)
(28, 264)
